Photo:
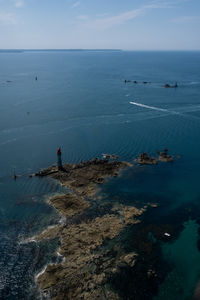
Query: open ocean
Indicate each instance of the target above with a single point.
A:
(81, 103)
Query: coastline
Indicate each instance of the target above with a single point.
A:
(87, 264)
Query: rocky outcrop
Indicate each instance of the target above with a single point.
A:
(167, 85)
(69, 204)
(84, 176)
(87, 265)
(144, 159)
(163, 156)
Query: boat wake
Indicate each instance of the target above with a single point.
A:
(154, 108)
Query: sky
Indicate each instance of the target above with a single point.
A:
(100, 24)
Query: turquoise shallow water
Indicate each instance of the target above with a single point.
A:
(81, 103)
(184, 254)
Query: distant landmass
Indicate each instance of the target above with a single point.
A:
(10, 51)
(50, 50)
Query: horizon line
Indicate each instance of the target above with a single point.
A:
(93, 49)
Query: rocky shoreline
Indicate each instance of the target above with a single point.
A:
(87, 264)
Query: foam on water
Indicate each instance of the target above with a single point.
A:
(181, 111)
(150, 107)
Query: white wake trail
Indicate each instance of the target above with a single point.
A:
(154, 108)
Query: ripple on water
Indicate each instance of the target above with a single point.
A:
(20, 261)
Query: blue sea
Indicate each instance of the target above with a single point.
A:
(80, 101)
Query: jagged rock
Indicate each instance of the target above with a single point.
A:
(84, 272)
(164, 156)
(143, 158)
(167, 85)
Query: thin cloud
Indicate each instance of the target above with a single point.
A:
(19, 3)
(104, 23)
(77, 3)
(7, 19)
(185, 19)
(82, 17)
(170, 3)
(182, 1)
(108, 22)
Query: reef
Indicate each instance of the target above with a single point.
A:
(86, 268)
(144, 159)
(69, 205)
(163, 156)
(90, 257)
(84, 176)
(167, 85)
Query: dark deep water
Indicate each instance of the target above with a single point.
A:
(80, 102)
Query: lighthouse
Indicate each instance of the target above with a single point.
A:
(59, 161)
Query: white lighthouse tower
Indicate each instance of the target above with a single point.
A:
(59, 159)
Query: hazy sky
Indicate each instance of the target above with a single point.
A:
(122, 24)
